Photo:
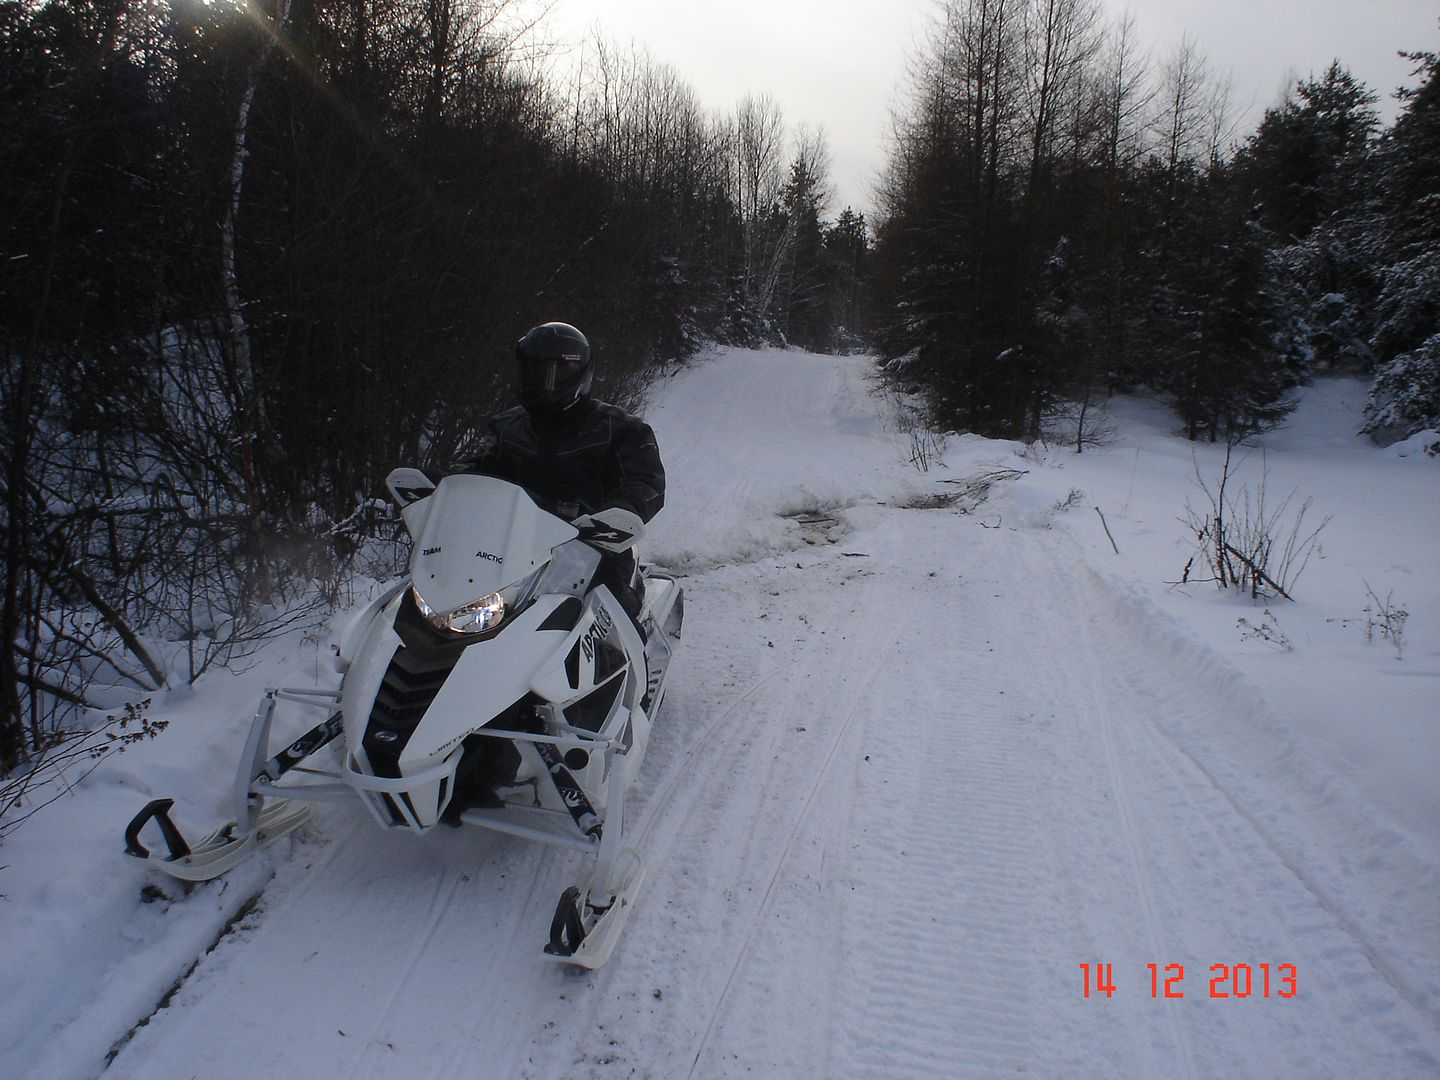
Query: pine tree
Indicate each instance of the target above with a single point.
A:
(803, 315)
(1405, 398)
(1411, 173)
(1308, 173)
(1407, 310)
(1229, 362)
(1307, 161)
(847, 257)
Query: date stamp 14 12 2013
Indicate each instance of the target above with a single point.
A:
(1226, 981)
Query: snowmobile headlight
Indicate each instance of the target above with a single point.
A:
(475, 618)
(484, 614)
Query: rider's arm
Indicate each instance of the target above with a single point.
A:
(640, 483)
(485, 456)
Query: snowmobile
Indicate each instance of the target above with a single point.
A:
(495, 686)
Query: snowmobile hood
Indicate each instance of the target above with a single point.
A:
(476, 535)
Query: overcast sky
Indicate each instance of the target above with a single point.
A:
(839, 64)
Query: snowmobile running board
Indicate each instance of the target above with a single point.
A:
(257, 822)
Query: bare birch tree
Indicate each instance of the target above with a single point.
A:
(757, 161)
(1060, 44)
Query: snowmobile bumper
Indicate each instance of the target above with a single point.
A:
(416, 801)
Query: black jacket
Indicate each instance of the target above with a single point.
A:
(594, 455)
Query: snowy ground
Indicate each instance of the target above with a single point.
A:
(921, 760)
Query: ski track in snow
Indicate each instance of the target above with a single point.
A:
(902, 787)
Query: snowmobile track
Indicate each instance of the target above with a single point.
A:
(938, 871)
(461, 1062)
(653, 808)
(247, 908)
(1251, 891)
(821, 774)
(1192, 776)
(1101, 711)
(428, 927)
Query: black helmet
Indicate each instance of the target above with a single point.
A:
(552, 368)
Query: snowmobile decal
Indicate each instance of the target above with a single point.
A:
(597, 633)
(304, 746)
(603, 536)
(613, 530)
(570, 791)
(593, 709)
(564, 617)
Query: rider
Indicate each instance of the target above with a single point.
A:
(589, 461)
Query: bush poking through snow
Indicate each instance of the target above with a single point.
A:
(1267, 631)
(974, 490)
(926, 446)
(1385, 618)
(68, 760)
(1079, 422)
(1245, 543)
(1075, 498)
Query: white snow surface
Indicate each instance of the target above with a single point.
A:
(920, 761)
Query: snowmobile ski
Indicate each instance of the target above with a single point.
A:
(257, 822)
(586, 935)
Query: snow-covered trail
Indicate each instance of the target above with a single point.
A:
(910, 777)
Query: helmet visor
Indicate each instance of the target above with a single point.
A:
(551, 381)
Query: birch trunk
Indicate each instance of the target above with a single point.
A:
(251, 419)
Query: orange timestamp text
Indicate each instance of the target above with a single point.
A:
(1226, 981)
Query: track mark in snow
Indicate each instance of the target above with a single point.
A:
(442, 898)
(245, 910)
(522, 952)
(1216, 886)
(1102, 713)
(654, 808)
(386, 933)
(937, 972)
(820, 776)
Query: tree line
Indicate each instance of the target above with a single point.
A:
(253, 255)
(1064, 217)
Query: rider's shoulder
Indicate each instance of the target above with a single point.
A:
(502, 422)
(510, 415)
(615, 416)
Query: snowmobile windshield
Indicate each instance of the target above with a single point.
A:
(571, 568)
(477, 536)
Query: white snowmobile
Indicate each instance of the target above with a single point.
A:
(494, 687)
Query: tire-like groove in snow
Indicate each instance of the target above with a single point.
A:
(938, 972)
(820, 775)
(1225, 875)
(1100, 703)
